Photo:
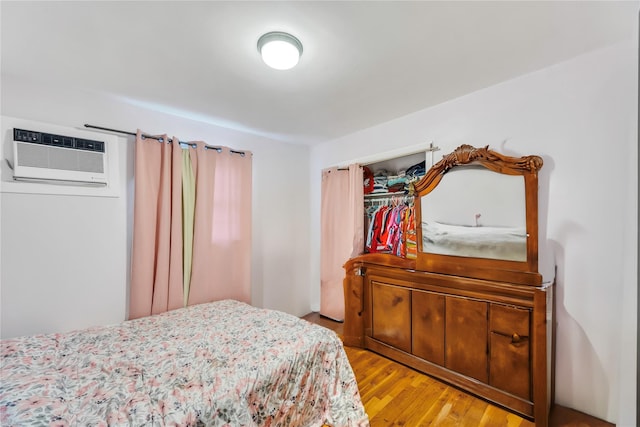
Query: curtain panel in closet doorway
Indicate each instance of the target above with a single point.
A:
(191, 226)
(341, 233)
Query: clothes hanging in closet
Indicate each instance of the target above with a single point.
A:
(391, 230)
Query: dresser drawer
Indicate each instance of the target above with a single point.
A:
(506, 320)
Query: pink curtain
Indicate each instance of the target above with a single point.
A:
(156, 275)
(342, 233)
(158, 261)
(222, 234)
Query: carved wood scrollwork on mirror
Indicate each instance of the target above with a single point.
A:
(477, 216)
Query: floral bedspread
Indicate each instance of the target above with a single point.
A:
(218, 364)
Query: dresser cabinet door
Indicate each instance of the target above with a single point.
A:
(509, 348)
(427, 325)
(466, 337)
(391, 315)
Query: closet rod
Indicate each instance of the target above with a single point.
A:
(242, 153)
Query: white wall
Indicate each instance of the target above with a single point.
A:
(57, 236)
(581, 117)
(59, 299)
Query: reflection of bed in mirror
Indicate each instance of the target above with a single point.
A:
(506, 243)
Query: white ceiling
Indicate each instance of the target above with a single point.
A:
(364, 63)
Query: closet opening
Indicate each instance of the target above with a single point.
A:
(389, 225)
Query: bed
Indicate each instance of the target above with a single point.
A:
(218, 364)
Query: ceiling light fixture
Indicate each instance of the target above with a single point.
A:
(279, 50)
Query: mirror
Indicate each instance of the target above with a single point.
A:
(476, 212)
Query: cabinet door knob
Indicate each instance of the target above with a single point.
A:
(515, 338)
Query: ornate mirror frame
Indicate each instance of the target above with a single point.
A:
(525, 272)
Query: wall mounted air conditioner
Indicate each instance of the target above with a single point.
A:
(46, 157)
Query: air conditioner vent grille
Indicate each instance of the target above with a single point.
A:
(41, 156)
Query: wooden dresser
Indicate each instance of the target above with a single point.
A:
(481, 324)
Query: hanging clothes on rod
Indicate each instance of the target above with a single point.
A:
(389, 220)
(389, 199)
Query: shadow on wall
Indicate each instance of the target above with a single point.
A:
(580, 381)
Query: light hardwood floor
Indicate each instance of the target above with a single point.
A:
(395, 395)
